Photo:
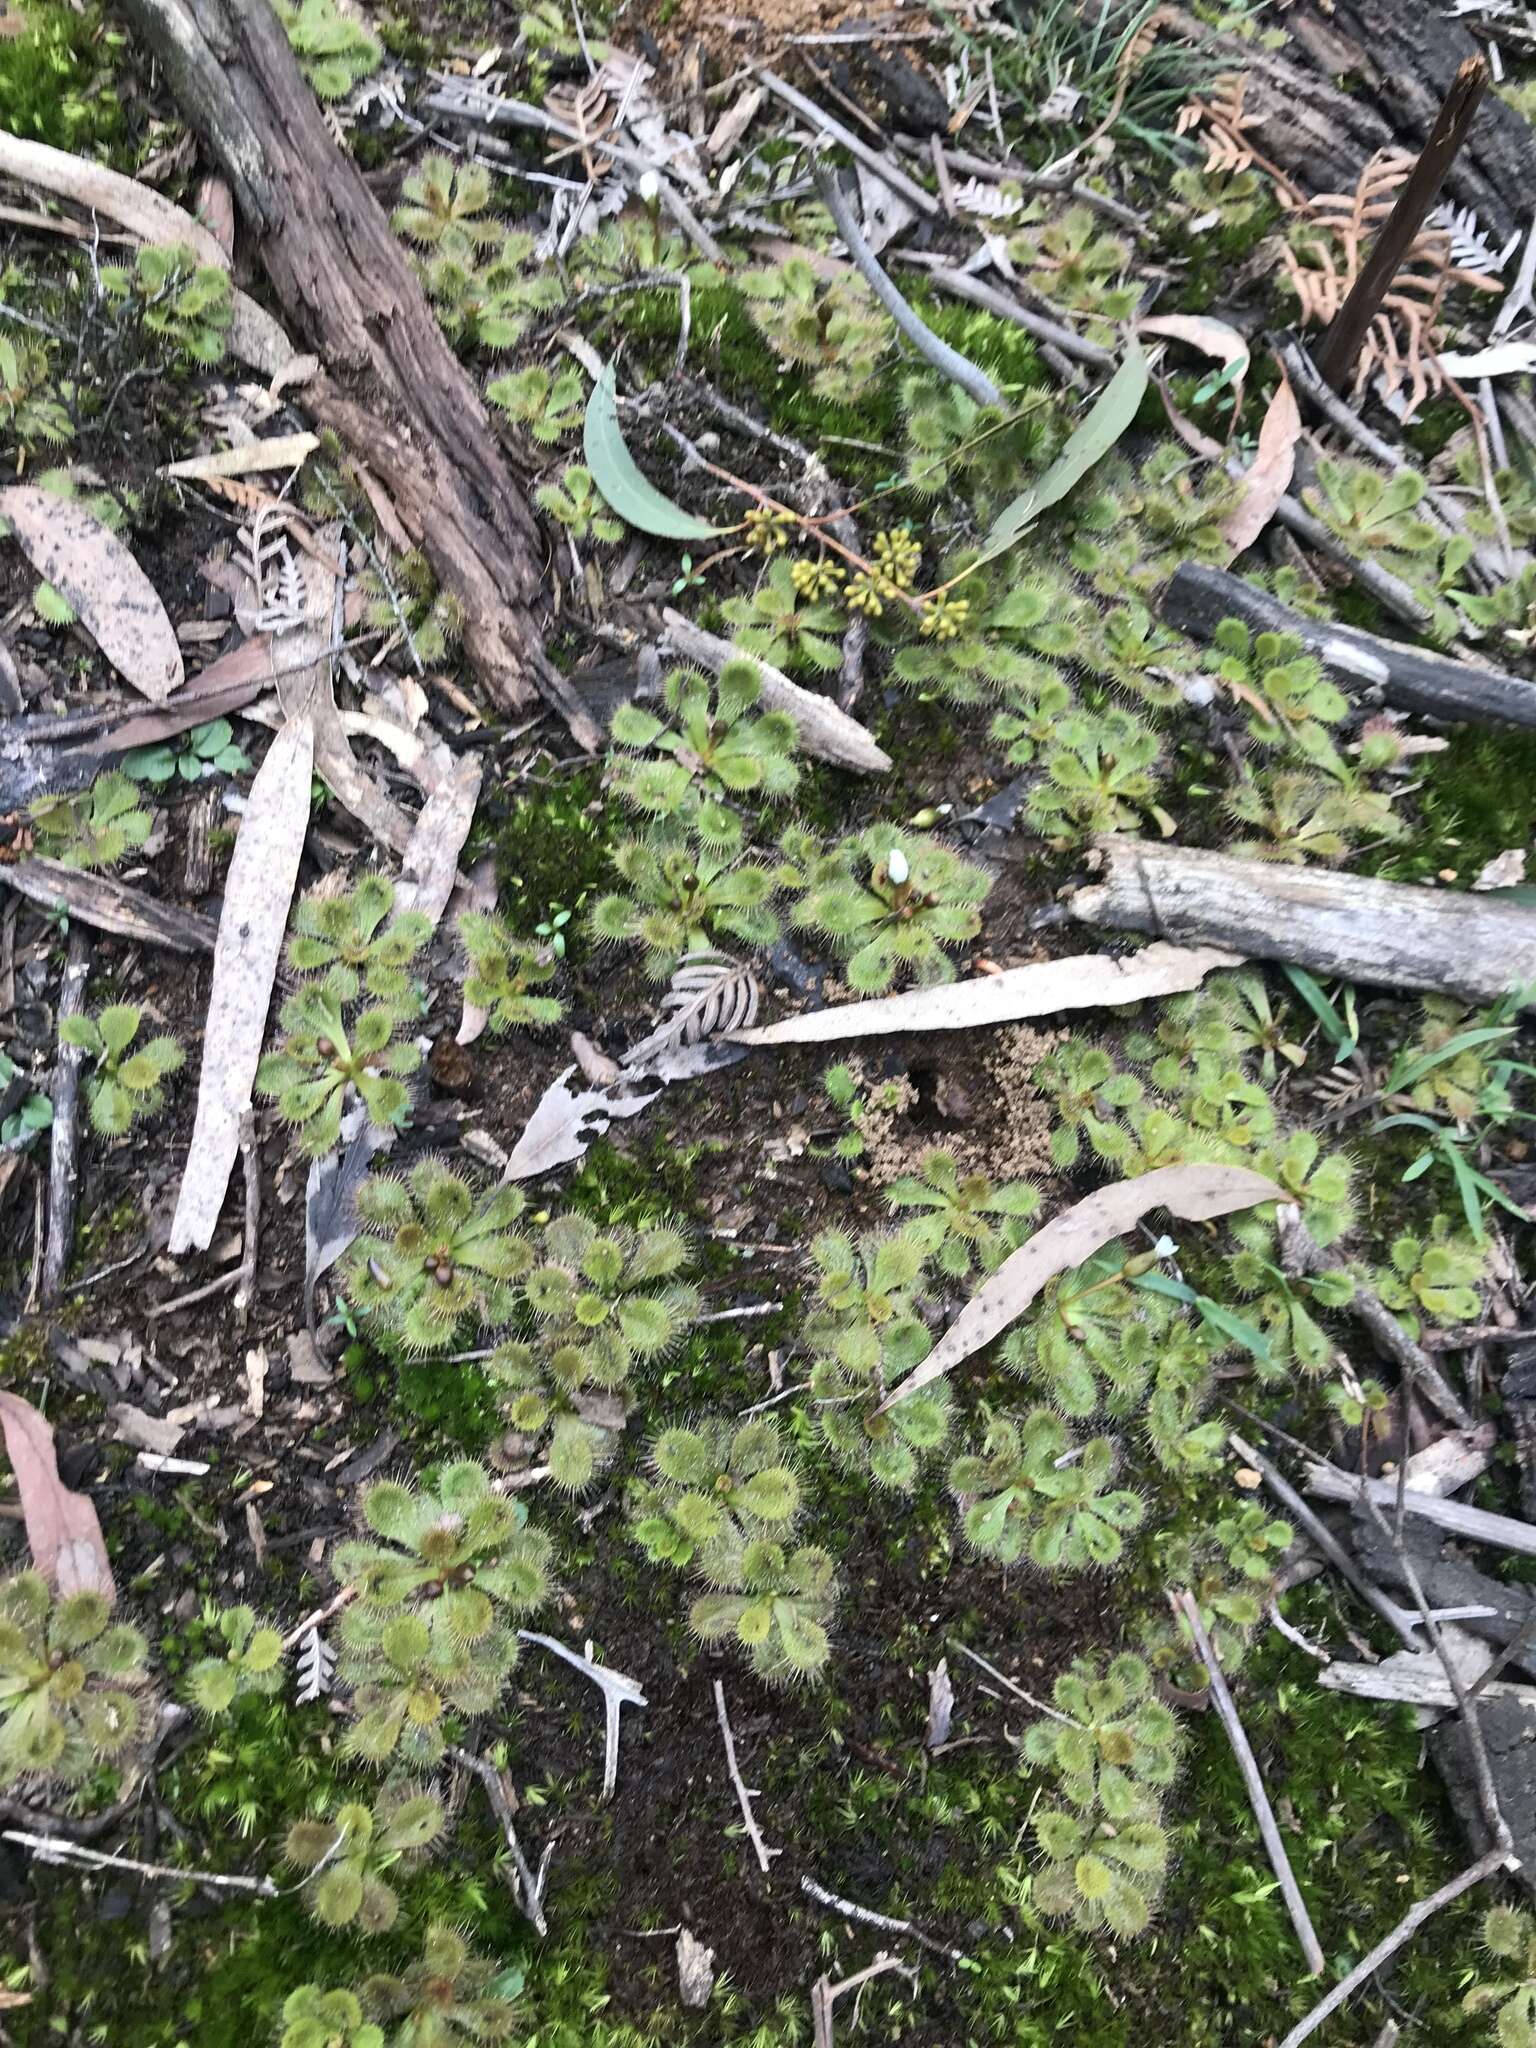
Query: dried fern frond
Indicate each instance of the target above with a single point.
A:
(1324, 259)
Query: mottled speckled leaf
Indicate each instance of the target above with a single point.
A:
(112, 597)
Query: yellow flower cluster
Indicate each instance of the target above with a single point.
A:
(945, 618)
(815, 578)
(767, 529)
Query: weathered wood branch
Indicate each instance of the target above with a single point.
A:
(1362, 664)
(392, 387)
(824, 729)
(1386, 934)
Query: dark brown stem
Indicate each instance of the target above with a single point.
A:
(1342, 343)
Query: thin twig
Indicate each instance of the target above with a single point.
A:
(496, 1792)
(1258, 1798)
(1397, 1618)
(825, 1994)
(1389, 1945)
(54, 1849)
(823, 1897)
(971, 378)
(64, 1136)
(976, 292)
(1040, 1707)
(744, 1795)
(320, 1617)
(618, 1691)
(872, 159)
(250, 1161)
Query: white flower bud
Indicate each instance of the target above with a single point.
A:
(649, 188)
(896, 868)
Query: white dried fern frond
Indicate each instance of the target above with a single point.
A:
(314, 1667)
(710, 994)
(1469, 243)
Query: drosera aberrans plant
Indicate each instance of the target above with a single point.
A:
(125, 1085)
(431, 1632)
(715, 1484)
(325, 1056)
(73, 1684)
(435, 1257)
(351, 1852)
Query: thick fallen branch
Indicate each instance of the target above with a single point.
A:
(1200, 597)
(393, 388)
(1386, 934)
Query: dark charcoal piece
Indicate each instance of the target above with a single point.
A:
(1448, 1580)
(1509, 1733)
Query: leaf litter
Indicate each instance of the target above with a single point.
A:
(304, 606)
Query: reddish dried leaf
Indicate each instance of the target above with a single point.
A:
(1268, 477)
(62, 1529)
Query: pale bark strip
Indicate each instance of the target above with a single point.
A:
(263, 872)
(64, 1134)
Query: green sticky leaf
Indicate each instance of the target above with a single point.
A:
(618, 477)
(1108, 419)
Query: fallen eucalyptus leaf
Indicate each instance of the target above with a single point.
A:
(1111, 414)
(63, 1530)
(564, 1124)
(617, 475)
(258, 891)
(1085, 981)
(1268, 477)
(429, 866)
(114, 600)
(1191, 1192)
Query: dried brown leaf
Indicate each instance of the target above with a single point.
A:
(70, 548)
(1268, 477)
(63, 1531)
(1193, 1193)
